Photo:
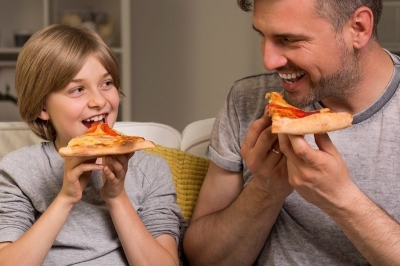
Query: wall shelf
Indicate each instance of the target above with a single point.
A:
(111, 19)
(8, 64)
(389, 26)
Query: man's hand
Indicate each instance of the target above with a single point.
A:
(319, 176)
(261, 152)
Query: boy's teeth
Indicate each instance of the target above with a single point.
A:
(95, 118)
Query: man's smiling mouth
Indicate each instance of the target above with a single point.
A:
(291, 78)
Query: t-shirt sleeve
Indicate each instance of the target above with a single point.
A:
(16, 211)
(224, 148)
(244, 104)
(159, 211)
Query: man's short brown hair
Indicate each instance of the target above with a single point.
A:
(337, 12)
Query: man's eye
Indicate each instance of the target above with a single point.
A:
(288, 40)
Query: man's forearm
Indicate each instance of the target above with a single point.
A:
(234, 235)
(372, 231)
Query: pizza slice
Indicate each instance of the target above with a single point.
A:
(100, 140)
(292, 120)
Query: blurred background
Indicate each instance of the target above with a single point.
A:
(178, 58)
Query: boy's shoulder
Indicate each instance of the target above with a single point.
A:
(30, 155)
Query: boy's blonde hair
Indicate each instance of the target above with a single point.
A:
(48, 62)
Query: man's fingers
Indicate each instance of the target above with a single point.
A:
(296, 149)
(325, 144)
(255, 130)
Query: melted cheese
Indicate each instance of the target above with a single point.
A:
(92, 139)
(278, 107)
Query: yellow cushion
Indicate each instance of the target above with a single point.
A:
(188, 172)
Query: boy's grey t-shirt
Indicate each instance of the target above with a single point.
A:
(303, 234)
(30, 179)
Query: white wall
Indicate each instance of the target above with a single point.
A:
(185, 57)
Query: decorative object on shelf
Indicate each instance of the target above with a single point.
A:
(21, 38)
(99, 21)
(7, 96)
(111, 18)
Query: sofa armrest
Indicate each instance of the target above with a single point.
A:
(15, 135)
(196, 137)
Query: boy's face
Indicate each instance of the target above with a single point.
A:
(90, 96)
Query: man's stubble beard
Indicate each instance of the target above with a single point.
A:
(340, 84)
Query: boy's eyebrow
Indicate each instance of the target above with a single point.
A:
(104, 76)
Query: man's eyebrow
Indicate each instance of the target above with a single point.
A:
(283, 35)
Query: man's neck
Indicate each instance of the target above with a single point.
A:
(377, 70)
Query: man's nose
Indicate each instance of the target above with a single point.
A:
(273, 56)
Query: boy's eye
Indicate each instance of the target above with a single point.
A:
(108, 83)
(76, 90)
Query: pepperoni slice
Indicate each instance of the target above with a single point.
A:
(290, 112)
(92, 127)
(108, 130)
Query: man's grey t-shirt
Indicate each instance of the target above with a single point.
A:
(31, 177)
(303, 234)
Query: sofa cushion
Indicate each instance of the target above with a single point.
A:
(188, 172)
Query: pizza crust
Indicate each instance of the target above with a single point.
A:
(102, 150)
(312, 124)
(100, 140)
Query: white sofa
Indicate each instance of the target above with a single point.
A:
(193, 139)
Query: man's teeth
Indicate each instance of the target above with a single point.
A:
(288, 77)
(95, 118)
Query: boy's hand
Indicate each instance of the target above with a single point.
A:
(77, 172)
(115, 168)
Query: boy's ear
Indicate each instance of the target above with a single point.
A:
(44, 115)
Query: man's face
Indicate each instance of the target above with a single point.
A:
(313, 61)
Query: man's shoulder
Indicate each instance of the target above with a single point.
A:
(265, 80)
(253, 87)
(261, 83)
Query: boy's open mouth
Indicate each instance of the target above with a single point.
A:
(97, 118)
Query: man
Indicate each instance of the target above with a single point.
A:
(328, 199)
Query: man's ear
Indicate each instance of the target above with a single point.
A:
(44, 115)
(362, 24)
